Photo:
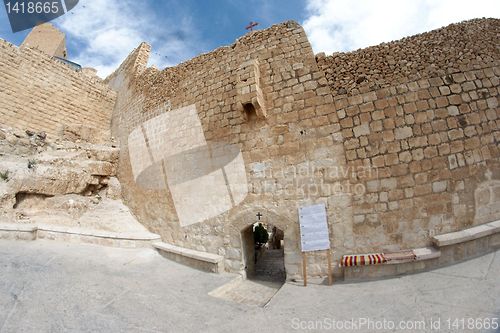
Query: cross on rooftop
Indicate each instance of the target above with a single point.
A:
(259, 215)
(251, 25)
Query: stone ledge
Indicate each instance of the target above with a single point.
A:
(197, 259)
(423, 253)
(466, 235)
(425, 257)
(428, 258)
(106, 238)
(426, 253)
(18, 227)
(25, 232)
(141, 236)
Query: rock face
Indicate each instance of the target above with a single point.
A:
(68, 183)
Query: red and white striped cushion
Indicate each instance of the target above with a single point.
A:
(363, 259)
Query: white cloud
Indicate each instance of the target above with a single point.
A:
(345, 25)
(105, 32)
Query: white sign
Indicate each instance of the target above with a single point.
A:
(314, 234)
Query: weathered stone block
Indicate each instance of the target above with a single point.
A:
(403, 132)
(439, 186)
(360, 130)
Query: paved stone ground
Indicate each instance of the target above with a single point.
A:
(251, 292)
(55, 287)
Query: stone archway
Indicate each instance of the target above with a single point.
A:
(263, 261)
(243, 222)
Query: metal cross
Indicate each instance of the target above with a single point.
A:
(251, 25)
(259, 215)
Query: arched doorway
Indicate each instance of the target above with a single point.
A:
(260, 284)
(263, 252)
(283, 218)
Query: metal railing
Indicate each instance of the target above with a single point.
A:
(71, 64)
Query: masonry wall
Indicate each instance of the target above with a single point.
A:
(431, 133)
(286, 155)
(41, 94)
(46, 38)
(433, 143)
(455, 48)
(414, 153)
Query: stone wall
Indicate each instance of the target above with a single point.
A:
(287, 150)
(46, 38)
(394, 161)
(456, 48)
(38, 93)
(120, 81)
(423, 112)
(433, 142)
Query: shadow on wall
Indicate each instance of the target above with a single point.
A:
(170, 151)
(487, 200)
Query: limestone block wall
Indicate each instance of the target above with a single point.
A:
(431, 133)
(41, 94)
(454, 48)
(395, 159)
(432, 142)
(46, 38)
(292, 156)
(487, 197)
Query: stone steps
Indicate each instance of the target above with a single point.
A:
(270, 266)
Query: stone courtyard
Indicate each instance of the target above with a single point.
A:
(401, 150)
(138, 202)
(58, 287)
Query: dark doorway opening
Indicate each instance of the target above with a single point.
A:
(263, 248)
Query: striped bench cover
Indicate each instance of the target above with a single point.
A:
(363, 259)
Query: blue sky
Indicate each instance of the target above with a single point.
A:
(101, 33)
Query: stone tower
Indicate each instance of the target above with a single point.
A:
(47, 39)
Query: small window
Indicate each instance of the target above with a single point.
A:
(250, 112)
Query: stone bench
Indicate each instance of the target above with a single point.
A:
(77, 235)
(466, 235)
(424, 253)
(17, 231)
(450, 248)
(423, 258)
(197, 259)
